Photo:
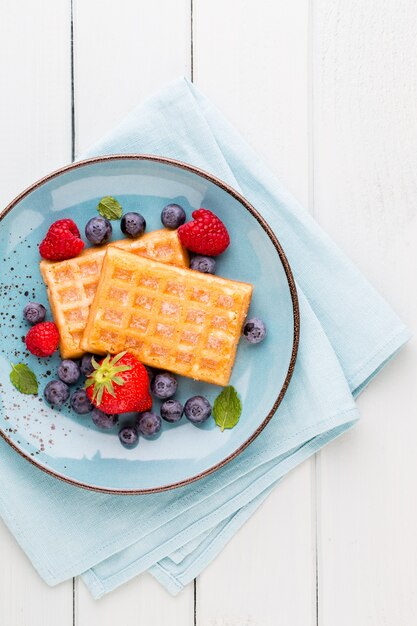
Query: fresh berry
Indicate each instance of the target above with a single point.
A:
(133, 224)
(104, 420)
(254, 330)
(172, 410)
(128, 436)
(205, 264)
(66, 224)
(197, 409)
(164, 385)
(149, 424)
(56, 393)
(173, 216)
(62, 241)
(98, 230)
(205, 235)
(119, 384)
(34, 312)
(69, 371)
(80, 402)
(86, 366)
(42, 339)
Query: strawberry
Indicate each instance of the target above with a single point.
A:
(62, 241)
(119, 384)
(205, 235)
(42, 339)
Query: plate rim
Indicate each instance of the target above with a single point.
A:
(291, 284)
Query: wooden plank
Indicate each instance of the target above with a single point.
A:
(35, 131)
(251, 60)
(123, 54)
(35, 121)
(142, 601)
(365, 86)
(265, 575)
(24, 597)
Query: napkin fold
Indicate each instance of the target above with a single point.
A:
(348, 333)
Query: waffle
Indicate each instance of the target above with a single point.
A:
(168, 317)
(161, 245)
(71, 284)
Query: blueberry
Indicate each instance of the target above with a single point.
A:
(148, 423)
(205, 264)
(197, 409)
(34, 312)
(133, 224)
(254, 330)
(98, 230)
(172, 410)
(128, 436)
(86, 364)
(80, 402)
(172, 216)
(104, 420)
(69, 372)
(56, 393)
(164, 385)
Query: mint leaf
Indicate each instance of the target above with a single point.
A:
(23, 379)
(227, 408)
(110, 208)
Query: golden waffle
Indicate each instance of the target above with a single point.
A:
(161, 245)
(71, 284)
(168, 317)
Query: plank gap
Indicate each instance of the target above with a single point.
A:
(72, 85)
(73, 602)
(311, 110)
(192, 39)
(312, 208)
(316, 535)
(195, 601)
(192, 80)
(72, 160)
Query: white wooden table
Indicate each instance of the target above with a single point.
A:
(326, 91)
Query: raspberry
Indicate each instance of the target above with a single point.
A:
(42, 339)
(62, 241)
(65, 224)
(205, 235)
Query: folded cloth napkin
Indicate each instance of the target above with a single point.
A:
(347, 334)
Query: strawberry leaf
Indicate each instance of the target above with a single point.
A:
(122, 368)
(99, 395)
(118, 357)
(105, 375)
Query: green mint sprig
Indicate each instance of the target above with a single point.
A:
(110, 208)
(24, 379)
(227, 408)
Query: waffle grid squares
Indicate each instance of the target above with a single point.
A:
(71, 288)
(172, 318)
(72, 284)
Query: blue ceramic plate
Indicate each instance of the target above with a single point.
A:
(70, 447)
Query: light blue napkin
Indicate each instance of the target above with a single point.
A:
(347, 334)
